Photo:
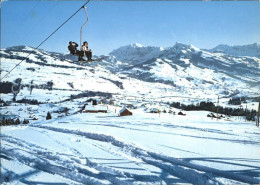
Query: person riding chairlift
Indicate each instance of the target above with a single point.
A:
(87, 52)
(74, 51)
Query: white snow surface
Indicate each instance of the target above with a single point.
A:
(144, 148)
(103, 148)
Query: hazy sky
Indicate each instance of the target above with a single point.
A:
(113, 24)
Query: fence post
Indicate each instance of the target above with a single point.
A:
(257, 119)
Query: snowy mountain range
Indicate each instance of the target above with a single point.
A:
(180, 69)
(252, 50)
(184, 64)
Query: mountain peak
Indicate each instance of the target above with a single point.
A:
(19, 48)
(180, 47)
(135, 52)
(136, 45)
(252, 50)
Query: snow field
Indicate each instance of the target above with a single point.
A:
(137, 149)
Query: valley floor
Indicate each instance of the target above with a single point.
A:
(144, 148)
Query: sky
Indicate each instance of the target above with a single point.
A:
(113, 24)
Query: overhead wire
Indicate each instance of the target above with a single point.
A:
(40, 21)
(45, 40)
(21, 23)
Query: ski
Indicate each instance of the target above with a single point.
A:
(92, 60)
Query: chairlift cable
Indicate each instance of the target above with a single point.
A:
(45, 40)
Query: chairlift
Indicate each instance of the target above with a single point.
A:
(78, 53)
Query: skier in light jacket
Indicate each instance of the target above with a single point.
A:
(87, 52)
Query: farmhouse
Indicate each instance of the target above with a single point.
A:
(95, 109)
(154, 110)
(125, 112)
(211, 115)
(182, 114)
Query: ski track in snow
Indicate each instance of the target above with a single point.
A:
(88, 172)
(247, 141)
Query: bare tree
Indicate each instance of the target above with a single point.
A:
(31, 87)
(16, 88)
(50, 85)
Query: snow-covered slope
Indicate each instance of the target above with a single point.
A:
(252, 50)
(86, 148)
(180, 69)
(142, 149)
(186, 66)
(136, 53)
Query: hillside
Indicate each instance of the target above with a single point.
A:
(77, 146)
(180, 70)
(252, 50)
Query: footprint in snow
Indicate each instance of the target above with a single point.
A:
(75, 139)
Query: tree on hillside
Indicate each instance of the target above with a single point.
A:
(48, 116)
(234, 101)
(17, 122)
(25, 121)
(6, 87)
(31, 87)
(16, 88)
(50, 85)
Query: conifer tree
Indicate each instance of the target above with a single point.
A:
(48, 116)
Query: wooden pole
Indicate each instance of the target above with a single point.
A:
(159, 110)
(217, 108)
(257, 119)
(245, 112)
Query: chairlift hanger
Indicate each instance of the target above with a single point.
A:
(85, 8)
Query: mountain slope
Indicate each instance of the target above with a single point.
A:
(185, 65)
(139, 70)
(252, 50)
(75, 147)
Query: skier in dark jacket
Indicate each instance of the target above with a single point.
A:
(73, 50)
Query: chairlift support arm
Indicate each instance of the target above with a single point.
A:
(83, 25)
